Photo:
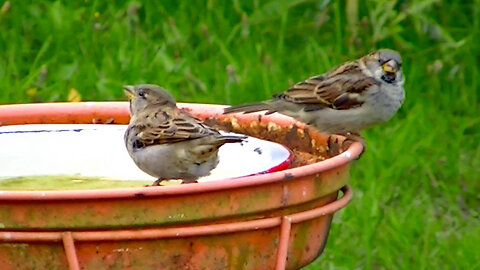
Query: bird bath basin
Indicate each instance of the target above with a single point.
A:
(278, 219)
(40, 157)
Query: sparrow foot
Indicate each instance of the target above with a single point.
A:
(336, 145)
(189, 181)
(352, 137)
(167, 182)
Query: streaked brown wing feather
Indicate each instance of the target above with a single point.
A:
(172, 126)
(338, 89)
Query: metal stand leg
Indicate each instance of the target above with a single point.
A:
(283, 243)
(70, 251)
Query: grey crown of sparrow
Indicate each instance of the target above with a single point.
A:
(166, 142)
(344, 100)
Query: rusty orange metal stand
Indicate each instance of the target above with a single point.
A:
(284, 223)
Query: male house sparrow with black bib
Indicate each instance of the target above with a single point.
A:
(346, 99)
(168, 143)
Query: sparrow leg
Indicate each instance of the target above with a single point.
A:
(167, 182)
(189, 181)
(337, 146)
(354, 137)
(158, 182)
(333, 146)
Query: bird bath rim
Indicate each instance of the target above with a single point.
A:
(49, 113)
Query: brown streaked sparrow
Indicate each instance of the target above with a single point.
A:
(344, 100)
(166, 142)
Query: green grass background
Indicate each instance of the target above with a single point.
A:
(416, 203)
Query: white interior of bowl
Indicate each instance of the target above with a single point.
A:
(99, 151)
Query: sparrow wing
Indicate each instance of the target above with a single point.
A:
(169, 126)
(338, 89)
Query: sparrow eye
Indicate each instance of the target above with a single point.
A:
(141, 94)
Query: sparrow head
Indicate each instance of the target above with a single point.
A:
(385, 65)
(145, 95)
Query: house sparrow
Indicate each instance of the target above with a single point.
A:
(346, 99)
(166, 142)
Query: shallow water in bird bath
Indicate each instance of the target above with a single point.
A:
(92, 156)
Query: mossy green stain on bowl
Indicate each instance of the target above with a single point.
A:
(29, 256)
(323, 188)
(64, 182)
(301, 238)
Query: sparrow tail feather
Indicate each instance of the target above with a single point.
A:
(232, 139)
(247, 108)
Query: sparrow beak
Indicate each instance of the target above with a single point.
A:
(390, 67)
(129, 91)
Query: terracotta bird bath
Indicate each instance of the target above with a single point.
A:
(277, 220)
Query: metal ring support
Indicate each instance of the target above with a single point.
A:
(284, 222)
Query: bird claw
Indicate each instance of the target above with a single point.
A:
(333, 146)
(167, 182)
(336, 145)
(189, 181)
